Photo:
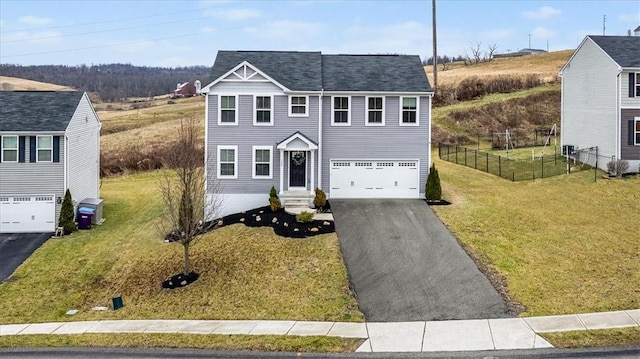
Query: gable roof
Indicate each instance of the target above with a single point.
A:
(312, 71)
(624, 50)
(37, 111)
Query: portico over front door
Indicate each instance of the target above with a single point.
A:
(297, 169)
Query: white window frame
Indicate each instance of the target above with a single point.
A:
(38, 149)
(306, 107)
(333, 111)
(417, 110)
(3, 149)
(637, 89)
(235, 122)
(235, 162)
(636, 132)
(254, 162)
(256, 109)
(366, 120)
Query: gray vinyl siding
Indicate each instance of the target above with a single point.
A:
(628, 152)
(625, 100)
(83, 134)
(390, 141)
(245, 135)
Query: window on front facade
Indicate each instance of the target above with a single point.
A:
(227, 162)
(374, 110)
(409, 110)
(341, 110)
(637, 127)
(227, 109)
(263, 109)
(261, 162)
(298, 106)
(44, 149)
(638, 84)
(9, 148)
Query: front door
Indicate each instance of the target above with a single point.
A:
(297, 169)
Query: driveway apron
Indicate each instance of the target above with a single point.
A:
(405, 265)
(15, 248)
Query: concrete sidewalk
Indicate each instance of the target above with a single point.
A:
(453, 335)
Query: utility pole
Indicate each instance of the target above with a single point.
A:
(435, 46)
(604, 21)
(529, 40)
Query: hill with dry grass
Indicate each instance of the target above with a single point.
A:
(17, 84)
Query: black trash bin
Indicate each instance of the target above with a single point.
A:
(84, 217)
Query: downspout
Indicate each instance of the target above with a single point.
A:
(320, 111)
(619, 114)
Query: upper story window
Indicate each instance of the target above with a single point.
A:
(227, 161)
(375, 111)
(409, 111)
(44, 149)
(263, 110)
(228, 110)
(9, 148)
(638, 84)
(299, 106)
(262, 162)
(637, 130)
(340, 110)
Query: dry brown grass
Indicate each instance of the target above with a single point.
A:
(18, 84)
(594, 338)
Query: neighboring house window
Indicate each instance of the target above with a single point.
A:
(228, 110)
(375, 111)
(262, 162)
(44, 149)
(298, 106)
(227, 161)
(637, 132)
(9, 148)
(340, 110)
(409, 111)
(264, 110)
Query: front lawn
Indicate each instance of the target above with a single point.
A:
(245, 273)
(564, 244)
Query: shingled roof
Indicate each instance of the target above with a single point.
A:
(624, 50)
(37, 111)
(312, 71)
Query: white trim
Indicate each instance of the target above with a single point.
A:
(367, 109)
(236, 100)
(306, 108)
(244, 64)
(2, 149)
(38, 149)
(206, 145)
(400, 110)
(333, 111)
(285, 144)
(255, 111)
(235, 161)
(253, 162)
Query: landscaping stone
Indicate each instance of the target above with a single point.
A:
(180, 280)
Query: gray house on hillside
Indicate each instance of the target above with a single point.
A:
(356, 126)
(49, 141)
(601, 98)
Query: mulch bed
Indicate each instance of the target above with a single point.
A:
(441, 202)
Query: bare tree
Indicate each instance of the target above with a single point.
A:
(491, 50)
(476, 53)
(183, 189)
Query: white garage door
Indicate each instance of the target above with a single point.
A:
(27, 214)
(374, 179)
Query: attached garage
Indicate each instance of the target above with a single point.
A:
(27, 214)
(374, 179)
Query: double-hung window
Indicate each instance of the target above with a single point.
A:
(228, 110)
(375, 111)
(262, 162)
(409, 111)
(9, 148)
(298, 106)
(44, 149)
(227, 161)
(340, 110)
(637, 131)
(637, 84)
(264, 111)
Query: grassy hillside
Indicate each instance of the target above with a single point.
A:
(18, 84)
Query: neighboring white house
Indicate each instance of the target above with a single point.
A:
(601, 98)
(49, 141)
(356, 126)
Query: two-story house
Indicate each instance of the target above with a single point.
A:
(49, 142)
(601, 98)
(356, 126)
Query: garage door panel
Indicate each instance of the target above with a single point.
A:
(27, 214)
(374, 179)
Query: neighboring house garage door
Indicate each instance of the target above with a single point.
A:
(27, 214)
(374, 179)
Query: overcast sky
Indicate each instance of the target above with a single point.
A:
(183, 33)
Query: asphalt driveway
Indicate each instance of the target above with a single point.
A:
(15, 248)
(405, 265)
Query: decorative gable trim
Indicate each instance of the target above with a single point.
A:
(297, 137)
(244, 72)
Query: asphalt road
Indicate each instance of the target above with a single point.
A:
(405, 265)
(15, 248)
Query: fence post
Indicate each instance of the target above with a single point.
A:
(487, 162)
(542, 162)
(595, 169)
(440, 150)
(476, 159)
(500, 166)
(457, 148)
(465, 156)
